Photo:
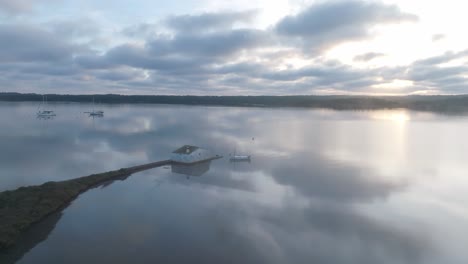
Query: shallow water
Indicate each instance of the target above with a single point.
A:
(322, 187)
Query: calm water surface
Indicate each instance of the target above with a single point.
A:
(323, 186)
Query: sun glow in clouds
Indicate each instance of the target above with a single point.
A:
(394, 85)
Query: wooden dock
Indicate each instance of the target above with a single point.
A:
(148, 166)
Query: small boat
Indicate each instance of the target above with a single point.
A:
(95, 113)
(44, 113)
(237, 158)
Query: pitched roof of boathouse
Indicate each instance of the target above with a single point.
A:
(186, 149)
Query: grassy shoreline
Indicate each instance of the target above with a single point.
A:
(25, 206)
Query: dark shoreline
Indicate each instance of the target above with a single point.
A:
(435, 103)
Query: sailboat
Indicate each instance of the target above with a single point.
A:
(43, 112)
(239, 158)
(96, 113)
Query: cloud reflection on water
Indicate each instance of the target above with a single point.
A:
(294, 203)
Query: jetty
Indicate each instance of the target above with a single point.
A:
(25, 206)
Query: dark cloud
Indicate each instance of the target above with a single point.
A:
(55, 68)
(17, 6)
(222, 43)
(131, 55)
(329, 23)
(444, 58)
(28, 43)
(448, 80)
(209, 21)
(191, 56)
(323, 75)
(93, 62)
(368, 56)
(431, 74)
(140, 57)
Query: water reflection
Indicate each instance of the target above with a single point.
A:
(40, 231)
(197, 169)
(324, 186)
(45, 117)
(316, 176)
(34, 236)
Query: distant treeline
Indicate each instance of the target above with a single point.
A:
(440, 103)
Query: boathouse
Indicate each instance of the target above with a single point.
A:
(191, 154)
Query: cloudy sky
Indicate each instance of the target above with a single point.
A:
(225, 47)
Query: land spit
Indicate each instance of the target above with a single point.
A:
(21, 208)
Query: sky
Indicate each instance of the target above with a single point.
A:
(244, 47)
